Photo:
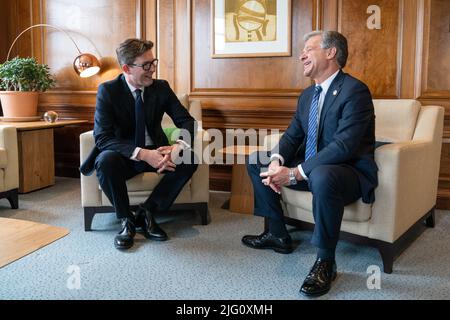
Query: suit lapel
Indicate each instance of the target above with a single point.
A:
(333, 92)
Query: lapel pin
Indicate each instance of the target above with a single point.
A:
(334, 92)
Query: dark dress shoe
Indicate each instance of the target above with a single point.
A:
(147, 223)
(266, 240)
(318, 281)
(124, 240)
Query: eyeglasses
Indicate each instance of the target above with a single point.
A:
(146, 66)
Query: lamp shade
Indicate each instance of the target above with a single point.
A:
(86, 65)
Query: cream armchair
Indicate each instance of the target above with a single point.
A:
(9, 165)
(194, 196)
(408, 178)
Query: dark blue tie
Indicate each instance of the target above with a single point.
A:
(313, 123)
(139, 135)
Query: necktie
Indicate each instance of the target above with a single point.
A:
(311, 138)
(139, 134)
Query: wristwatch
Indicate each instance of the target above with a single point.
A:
(292, 179)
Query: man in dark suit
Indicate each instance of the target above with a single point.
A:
(129, 140)
(328, 149)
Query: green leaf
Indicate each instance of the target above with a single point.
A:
(25, 74)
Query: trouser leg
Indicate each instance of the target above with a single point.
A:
(333, 187)
(266, 201)
(170, 186)
(112, 172)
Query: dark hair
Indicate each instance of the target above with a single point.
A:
(130, 49)
(332, 39)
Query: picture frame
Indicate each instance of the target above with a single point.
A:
(251, 28)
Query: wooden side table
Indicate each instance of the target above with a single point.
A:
(36, 152)
(241, 200)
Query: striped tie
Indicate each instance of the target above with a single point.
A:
(313, 123)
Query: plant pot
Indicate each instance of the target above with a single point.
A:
(19, 103)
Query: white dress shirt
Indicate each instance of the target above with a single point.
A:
(148, 139)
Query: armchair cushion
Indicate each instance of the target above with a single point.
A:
(3, 158)
(357, 211)
(9, 165)
(389, 112)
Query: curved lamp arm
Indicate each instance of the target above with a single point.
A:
(85, 64)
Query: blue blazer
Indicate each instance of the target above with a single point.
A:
(346, 132)
(114, 122)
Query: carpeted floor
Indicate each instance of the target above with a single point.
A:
(202, 262)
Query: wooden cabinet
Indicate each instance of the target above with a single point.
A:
(36, 159)
(36, 153)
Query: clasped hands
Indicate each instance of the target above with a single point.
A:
(277, 176)
(162, 158)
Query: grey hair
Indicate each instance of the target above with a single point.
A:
(332, 39)
(130, 49)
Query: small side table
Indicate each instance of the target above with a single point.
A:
(36, 152)
(241, 200)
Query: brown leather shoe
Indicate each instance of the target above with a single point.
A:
(268, 241)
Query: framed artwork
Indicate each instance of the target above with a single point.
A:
(251, 28)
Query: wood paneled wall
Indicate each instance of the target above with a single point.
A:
(4, 41)
(394, 61)
(406, 58)
(97, 27)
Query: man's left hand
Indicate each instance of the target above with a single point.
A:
(279, 177)
(170, 153)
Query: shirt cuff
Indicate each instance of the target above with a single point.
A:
(135, 153)
(300, 169)
(276, 156)
(184, 144)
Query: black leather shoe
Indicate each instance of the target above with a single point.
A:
(268, 241)
(145, 220)
(125, 238)
(318, 281)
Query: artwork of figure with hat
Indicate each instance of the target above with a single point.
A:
(250, 20)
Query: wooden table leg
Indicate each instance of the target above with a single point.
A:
(241, 200)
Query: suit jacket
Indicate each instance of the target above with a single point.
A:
(114, 122)
(346, 133)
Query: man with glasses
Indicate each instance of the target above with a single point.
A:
(129, 140)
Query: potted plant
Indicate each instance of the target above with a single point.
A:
(21, 80)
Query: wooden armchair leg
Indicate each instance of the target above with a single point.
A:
(387, 255)
(430, 221)
(89, 214)
(202, 210)
(13, 198)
